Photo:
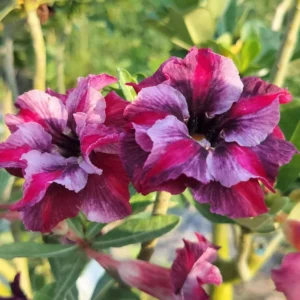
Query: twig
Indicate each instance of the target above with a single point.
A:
(285, 53)
(160, 208)
(281, 11)
(38, 44)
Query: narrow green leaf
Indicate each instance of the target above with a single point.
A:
(137, 231)
(278, 204)
(262, 224)
(6, 6)
(102, 286)
(46, 293)
(93, 229)
(68, 276)
(289, 173)
(4, 178)
(10, 251)
(125, 77)
(76, 226)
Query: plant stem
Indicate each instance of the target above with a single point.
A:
(280, 13)
(285, 53)
(8, 61)
(221, 238)
(38, 45)
(245, 247)
(161, 205)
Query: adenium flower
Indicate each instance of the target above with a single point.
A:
(191, 269)
(197, 124)
(65, 146)
(17, 293)
(287, 277)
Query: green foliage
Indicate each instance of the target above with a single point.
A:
(13, 250)
(136, 231)
(289, 173)
(125, 77)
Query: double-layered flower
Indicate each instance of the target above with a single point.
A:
(196, 123)
(66, 148)
(191, 269)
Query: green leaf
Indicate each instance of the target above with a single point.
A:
(46, 293)
(139, 206)
(10, 251)
(137, 231)
(93, 229)
(200, 25)
(278, 204)
(289, 173)
(262, 224)
(186, 4)
(204, 209)
(76, 226)
(289, 117)
(6, 6)
(117, 292)
(4, 179)
(250, 50)
(217, 7)
(125, 77)
(69, 272)
(102, 286)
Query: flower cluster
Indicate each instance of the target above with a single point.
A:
(194, 124)
(191, 269)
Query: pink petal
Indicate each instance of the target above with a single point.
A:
(106, 196)
(156, 103)
(44, 169)
(57, 204)
(252, 120)
(286, 278)
(242, 200)
(174, 154)
(254, 86)
(291, 230)
(240, 162)
(114, 111)
(28, 136)
(39, 107)
(61, 97)
(86, 98)
(192, 267)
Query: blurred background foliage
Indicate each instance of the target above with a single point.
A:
(111, 36)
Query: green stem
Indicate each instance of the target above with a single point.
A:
(221, 238)
(161, 205)
(285, 53)
(38, 45)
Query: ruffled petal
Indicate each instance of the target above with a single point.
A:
(28, 136)
(286, 278)
(106, 196)
(86, 98)
(61, 97)
(254, 86)
(114, 110)
(243, 200)
(252, 120)
(39, 107)
(274, 152)
(230, 164)
(56, 205)
(209, 82)
(174, 154)
(42, 170)
(192, 267)
(154, 103)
